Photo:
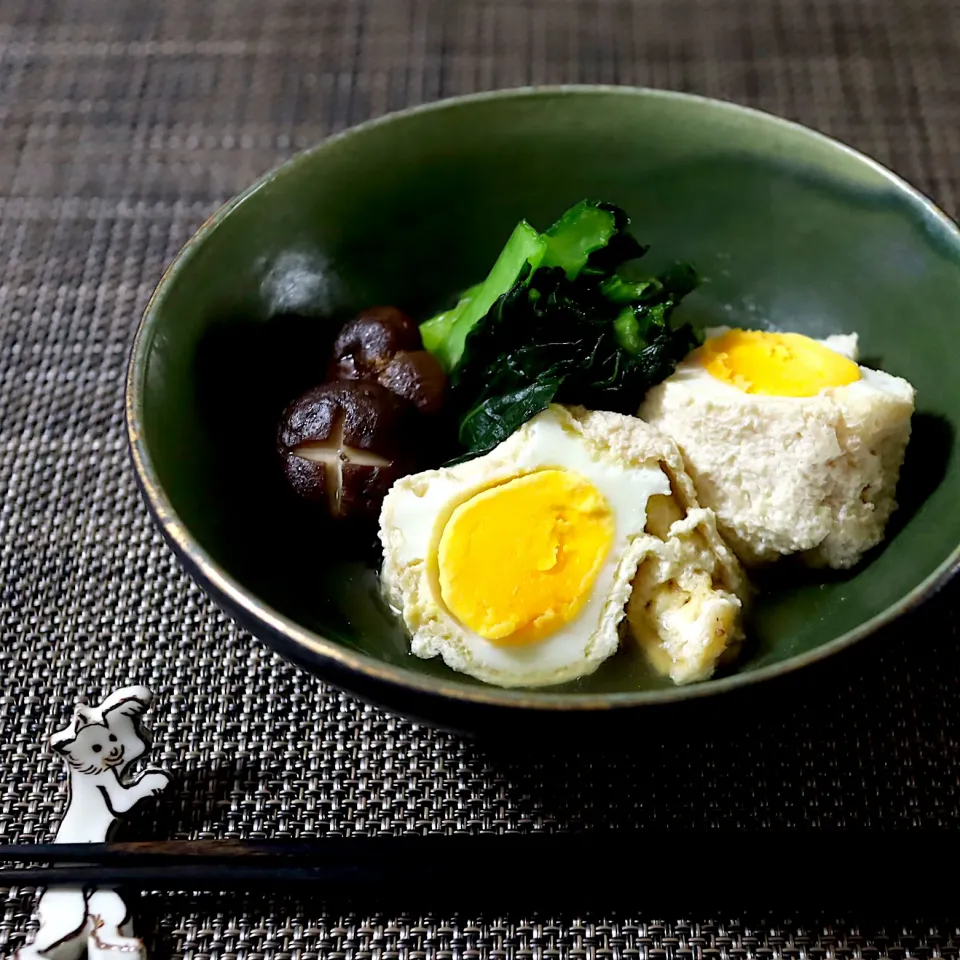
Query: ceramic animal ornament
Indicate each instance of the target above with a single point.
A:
(98, 746)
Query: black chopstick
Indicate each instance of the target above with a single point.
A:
(855, 870)
(920, 845)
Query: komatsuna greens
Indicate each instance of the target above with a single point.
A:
(555, 321)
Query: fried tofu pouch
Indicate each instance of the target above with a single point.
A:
(686, 607)
(814, 476)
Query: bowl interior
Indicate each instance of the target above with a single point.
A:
(789, 229)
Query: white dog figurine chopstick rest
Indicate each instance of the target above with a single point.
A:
(98, 745)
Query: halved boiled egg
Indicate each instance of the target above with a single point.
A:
(794, 445)
(516, 567)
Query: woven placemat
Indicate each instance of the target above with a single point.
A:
(122, 126)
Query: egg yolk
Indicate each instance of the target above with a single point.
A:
(776, 364)
(519, 560)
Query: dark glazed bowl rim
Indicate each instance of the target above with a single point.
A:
(330, 659)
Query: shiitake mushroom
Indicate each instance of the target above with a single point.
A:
(344, 443)
(369, 342)
(417, 376)
(383, 345)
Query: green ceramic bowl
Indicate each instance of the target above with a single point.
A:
(789, 228)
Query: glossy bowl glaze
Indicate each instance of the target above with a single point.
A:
(789, 228)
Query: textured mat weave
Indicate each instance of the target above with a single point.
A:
(122, 125)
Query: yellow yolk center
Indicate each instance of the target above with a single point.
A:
(776, 364)
(518, 561)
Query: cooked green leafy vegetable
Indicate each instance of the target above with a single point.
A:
(581, 231)
(556, 322)
(444, 335)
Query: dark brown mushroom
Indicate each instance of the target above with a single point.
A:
(417, 377)
(368, 343)
(343, 444)
(383, 344)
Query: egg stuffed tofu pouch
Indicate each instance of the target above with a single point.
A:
(795, 446)
(519, 567)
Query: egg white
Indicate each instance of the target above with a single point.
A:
(696, 377)
(417, 508)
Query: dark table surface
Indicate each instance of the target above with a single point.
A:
(123, 124)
